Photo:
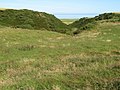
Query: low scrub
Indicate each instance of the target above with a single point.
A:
(28, 19)
(91, 23)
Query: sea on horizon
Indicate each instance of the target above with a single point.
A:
(74, 16)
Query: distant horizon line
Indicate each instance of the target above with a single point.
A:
(75, 13)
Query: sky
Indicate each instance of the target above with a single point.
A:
(64, 6)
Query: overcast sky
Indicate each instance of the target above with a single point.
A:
(64, 6)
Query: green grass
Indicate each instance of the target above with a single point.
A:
(45, 60)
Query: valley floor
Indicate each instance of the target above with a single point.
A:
(43, 60)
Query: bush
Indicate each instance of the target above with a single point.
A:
(25, 26)
(83, 24)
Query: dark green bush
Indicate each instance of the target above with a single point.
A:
(83, 24)
(107, 16)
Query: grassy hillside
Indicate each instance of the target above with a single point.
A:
(44, 60)
(28, 19)
(91, 23)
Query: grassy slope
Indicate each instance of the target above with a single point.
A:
(42, 60)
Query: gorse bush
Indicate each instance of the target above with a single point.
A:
(106, 16)
(83, 24)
